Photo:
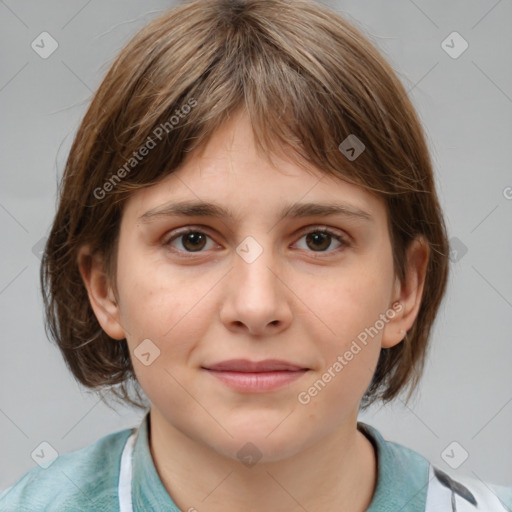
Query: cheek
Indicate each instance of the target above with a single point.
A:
(349, 332)
(156, 295)
(349, 303)
(171, 307)
(159, 310)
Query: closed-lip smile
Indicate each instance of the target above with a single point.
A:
(247, 376)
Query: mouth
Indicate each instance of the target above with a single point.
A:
(255, 376)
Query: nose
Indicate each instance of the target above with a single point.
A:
(256, 298)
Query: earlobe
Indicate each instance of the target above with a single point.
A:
(409, 293)
(100, 292)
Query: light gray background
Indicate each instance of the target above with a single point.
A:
(466, 107)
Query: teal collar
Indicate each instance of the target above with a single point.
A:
(148, 491)
(402, 478)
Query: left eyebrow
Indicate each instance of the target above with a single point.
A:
(206, 209)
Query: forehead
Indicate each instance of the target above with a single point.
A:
(230, 170)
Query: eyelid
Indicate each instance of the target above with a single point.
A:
(326, 229)
(175, 233)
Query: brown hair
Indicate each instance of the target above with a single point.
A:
(308, 79)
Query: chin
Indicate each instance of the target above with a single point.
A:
(258, 444)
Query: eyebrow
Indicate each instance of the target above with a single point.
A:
(298, 210)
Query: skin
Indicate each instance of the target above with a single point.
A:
(294, 302)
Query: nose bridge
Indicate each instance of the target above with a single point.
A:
(254, 266)
(255, 297)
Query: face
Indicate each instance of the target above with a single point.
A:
(307, 290)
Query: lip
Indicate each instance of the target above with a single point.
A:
(245, 365)
(256, 376)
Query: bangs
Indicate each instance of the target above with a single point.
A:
(182, 83)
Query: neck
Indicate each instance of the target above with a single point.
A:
(339, 472)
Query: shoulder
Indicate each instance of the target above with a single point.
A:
(81, 480)
(424, 487)
(452, 492)
(466, 493)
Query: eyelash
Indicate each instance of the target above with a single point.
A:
(191, 229)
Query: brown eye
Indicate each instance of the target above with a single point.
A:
(193, 241)
(188, 241)
(320, 240)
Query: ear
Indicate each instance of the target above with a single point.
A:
(407, 296)
(101, 295)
